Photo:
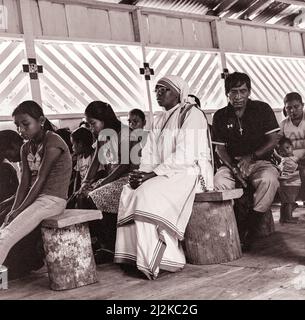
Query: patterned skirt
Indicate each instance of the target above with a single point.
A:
(107, 197)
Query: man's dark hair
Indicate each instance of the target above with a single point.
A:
(237, 79)
(137, 112)
(293, 96)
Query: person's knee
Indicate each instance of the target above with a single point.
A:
(269, 180)
(221, 182)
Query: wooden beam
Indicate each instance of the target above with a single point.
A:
(239, 7)
(259, 5)
(294, 2)
(287, 20)
(71, 217)
(225, 5)
(130, 2)
(25, 13)
(220, 195)
(271, 11)
(96, 4)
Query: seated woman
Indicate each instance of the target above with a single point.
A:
(156, 205)
(46, 171)
(113, 147)
(10, 145)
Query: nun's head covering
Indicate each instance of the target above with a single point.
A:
(176, 84)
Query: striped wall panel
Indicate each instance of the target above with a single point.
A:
(14, 84)
(200, 69)
(77, 73)
(272, 77)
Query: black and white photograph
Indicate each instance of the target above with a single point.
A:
(152, 151)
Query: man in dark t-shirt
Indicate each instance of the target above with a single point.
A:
(245, 133)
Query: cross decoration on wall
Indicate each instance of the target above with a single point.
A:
(225, 73)
(32, 68)
(147, 71)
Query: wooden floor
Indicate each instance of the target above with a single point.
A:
(274, 270)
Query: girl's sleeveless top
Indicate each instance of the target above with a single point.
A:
(57, 183)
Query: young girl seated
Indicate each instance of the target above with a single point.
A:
(290, 181)
(82, 141)
(137, 122)
(46, 171)
(136, 119)
(106, 192)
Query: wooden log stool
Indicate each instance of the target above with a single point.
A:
(211, 235)
(67, 245)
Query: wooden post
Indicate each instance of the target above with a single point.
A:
(27, 27)
(211, 235)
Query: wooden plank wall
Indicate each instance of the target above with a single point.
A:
(261, 39)
(173, 31)
(66, 20)
(13, 22)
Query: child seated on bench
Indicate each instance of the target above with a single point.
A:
(46, 171)
(82, 145)
(290, 181)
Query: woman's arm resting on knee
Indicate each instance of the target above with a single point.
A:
(116, 174)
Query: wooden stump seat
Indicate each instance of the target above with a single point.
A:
(211, 235)
(67, 245)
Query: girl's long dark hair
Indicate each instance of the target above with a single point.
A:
(34, 110)
(103, 111)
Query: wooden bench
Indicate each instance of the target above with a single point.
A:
(211, 235)
(67, 245)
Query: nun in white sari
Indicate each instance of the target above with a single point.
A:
(156, 205)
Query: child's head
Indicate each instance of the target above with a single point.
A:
(293, 105)
(101, 116)
(285, 147)
(82, 141)
(136, 119)
(30, 120)
(10, 144)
